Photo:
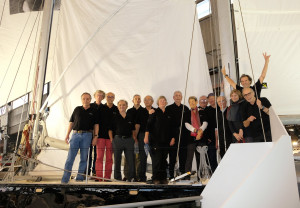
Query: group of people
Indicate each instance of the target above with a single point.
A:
(169, 130)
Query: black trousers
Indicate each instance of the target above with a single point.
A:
(262, 139)
(92, 160)
(181, 157)
(127, 145)
(143, 157)
(212, 156)
(159, 166)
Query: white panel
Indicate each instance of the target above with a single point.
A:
(48, 156)
(260, 175)
(238, 162)
(274, 27)
(277, 128)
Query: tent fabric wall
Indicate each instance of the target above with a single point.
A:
(143, 49)
(274, 27)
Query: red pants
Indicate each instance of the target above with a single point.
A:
(102, 145)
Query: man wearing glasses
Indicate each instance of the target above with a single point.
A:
(252, 119)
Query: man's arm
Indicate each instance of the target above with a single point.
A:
(248, 121)
(137, 129)
(265, 69)
(96, 131)
(261, 107)
(229, 80)
(146, 138)
(110, 134)
(68, 132)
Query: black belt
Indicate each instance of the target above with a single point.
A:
(123, 137)
(82, 131)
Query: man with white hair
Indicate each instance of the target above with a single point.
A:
(224, 133)
(84, 123)
(175, 111)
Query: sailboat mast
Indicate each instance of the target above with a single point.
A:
(41, 66)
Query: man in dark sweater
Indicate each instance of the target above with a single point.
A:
(253, 112)
(175, 111)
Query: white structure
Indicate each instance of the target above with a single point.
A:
(260, 175)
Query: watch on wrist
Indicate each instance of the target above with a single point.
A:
(226, 75)
(263, 107)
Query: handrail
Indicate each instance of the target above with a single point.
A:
(156, 202)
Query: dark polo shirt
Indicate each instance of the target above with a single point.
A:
(142, 118)
(105, 118)
(161, 128)
(255, 127)
(122, 126)
(84, 119)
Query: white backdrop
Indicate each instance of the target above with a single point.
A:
(143, 49)
(274, 27)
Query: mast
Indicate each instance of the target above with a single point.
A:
(226, 42)
(41, 66)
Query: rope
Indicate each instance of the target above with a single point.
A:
(222, 113)
(70, 171)
(21, 59)
(3, 8)
(204, 171)
(219, 81)
(17, 45)
(214, 78)
(186, 82)
(79, 52)
(262, 124)
(19, 128)
(8, 176)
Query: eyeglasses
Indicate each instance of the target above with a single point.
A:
(203, 100)
(245, 95)
(110, 96)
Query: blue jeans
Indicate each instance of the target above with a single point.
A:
(78, 141)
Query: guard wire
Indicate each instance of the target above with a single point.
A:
(245, 34)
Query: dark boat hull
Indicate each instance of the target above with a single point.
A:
(86, 195)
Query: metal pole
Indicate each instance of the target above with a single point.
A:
(42, 64)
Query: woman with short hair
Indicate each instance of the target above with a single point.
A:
(234, 116)
(161, 131)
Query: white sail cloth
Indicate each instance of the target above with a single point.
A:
(11, 30)
(143, 49)
(274, 27)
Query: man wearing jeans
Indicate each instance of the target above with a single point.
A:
(84, 123)
(140, 128)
